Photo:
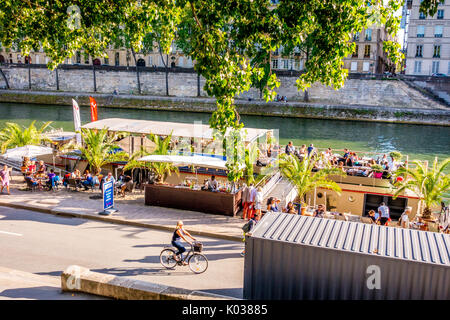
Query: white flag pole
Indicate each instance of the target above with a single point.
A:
(77, 120)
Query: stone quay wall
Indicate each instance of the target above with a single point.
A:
(363, 90)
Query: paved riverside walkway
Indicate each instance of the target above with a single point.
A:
(132, 211)
(15, 284)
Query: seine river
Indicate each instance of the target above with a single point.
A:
(417, 141)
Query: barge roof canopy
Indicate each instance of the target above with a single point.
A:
(356, 237)
(163, 128)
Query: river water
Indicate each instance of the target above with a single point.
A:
(418, 141)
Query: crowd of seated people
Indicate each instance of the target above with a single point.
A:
(349, 162)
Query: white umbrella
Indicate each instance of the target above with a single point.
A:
(30, 151)
(199, 161)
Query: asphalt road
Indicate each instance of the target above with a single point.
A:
(45, 244)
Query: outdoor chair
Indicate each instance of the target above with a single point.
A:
(73, 184)
(339, 217)
(30, 185)
(366, 220)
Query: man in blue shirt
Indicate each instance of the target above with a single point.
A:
(310, 149)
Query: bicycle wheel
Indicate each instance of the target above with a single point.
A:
(167, 258)
(198, 263)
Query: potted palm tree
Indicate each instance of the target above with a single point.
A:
(13, 135)
(429, 184)
(96, 148)
(301, 175)
(161, 169)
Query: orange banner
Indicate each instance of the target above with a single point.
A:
(93, 103)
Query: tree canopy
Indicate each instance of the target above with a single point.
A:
(230, 40)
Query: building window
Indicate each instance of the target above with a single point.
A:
(435, 67)
(86, 59)
(417, 66)
(355, 53)
(438, 31)
(276, 52)
(150, 61)
(367, 51)
(440, 14)
(107, 61)
(419, 50)
(421, 15)
(354, 66)
(366, 66)
(368, 35)
(356, 36)
(437, 52)
(117, 59)
(285, 64)
(275, 64)
(420, 31)
(78, 57)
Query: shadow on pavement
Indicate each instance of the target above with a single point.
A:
(45, 293)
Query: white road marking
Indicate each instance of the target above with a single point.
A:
(12, 233)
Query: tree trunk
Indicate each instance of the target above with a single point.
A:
(95, 79)
(167, 75)
(4, 78)
(198, 84)
(426, 213)
(29, 74)
(137, 71)
(57, 79)
(306, 96)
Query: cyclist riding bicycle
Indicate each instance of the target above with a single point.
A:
(178, 234)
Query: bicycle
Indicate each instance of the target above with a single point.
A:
(198, 263)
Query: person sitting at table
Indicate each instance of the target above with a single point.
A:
(32, 167)
(320, 211)
(372, 216)
(108, 178)
(25, 164)
(310, 149)
(76, 174)
(212, 184)
(42, 168)
(89, 181)
(127, 185)
(50, 177)
(290, 208)
(272, 204)
(290, 149)
(33, 182)
(404, 218)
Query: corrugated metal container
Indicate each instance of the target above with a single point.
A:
(299, 257)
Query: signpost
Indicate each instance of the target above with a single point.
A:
(108, 198)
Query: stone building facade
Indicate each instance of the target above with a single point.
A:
(369, 56)
(428, 49)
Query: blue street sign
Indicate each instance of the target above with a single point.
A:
(108, 195)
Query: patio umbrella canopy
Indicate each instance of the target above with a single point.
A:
(30, 151)
(200, 161)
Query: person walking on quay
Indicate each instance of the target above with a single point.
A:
(4, 178)
(178, 234)
(383, 211)
(251, 202)
(248, 227)
(258, 202)
(245, 200)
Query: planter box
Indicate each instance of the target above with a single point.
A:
(221, 203)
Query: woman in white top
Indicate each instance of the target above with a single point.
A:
(258, 202)
(404, 218)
